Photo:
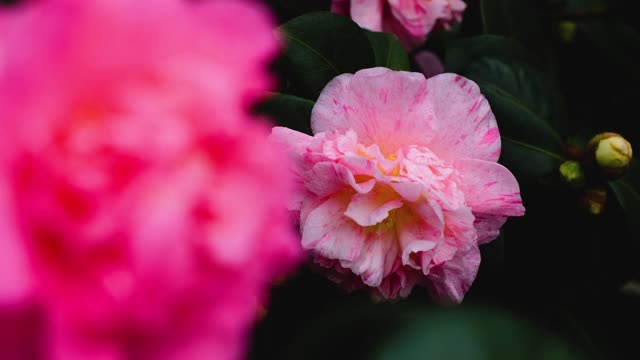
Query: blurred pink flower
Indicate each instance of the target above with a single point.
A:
(410, 20)
(399, 185)
(143, 206)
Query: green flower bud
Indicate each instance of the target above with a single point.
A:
(571, 172)
(567, 31)
(612, 153)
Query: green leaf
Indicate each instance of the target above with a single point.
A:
(418, 331)
(389, 51)
(477, 334)
(465, 51)
(288, 110)
(627, 193)
(527, 89)
(618, 42)
(519, 20)
(512, 18)
(585, 6)
(321, 46)
(629, 198)
(526, 110)
(528, 160)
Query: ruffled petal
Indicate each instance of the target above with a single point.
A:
(293, 141)
(463, 125)
(367, 13)
(374, 103)
(488, 227)
(446, 113)
(296, 144)
(410, 191)
(490, 188)
(397, 285)
(417, 235)
(417, 17)
(332, 111)
(376, 259)
(459, 235)
(373, 207)
(332, 235)
(326, 178)
(450, 281)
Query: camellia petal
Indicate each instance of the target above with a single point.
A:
(372, 208)
(330, 234)
(295, 144)
(325, 178)
(417, 236)
(451, 280)
(488, 226)
(422, 116)
(367, 13)
(490, 188)
(376, 258)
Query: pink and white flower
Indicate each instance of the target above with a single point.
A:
(410, 20)
(399, 184)
(133, 176)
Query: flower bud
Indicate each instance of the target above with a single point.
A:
(595, 199)
(572, 173)
(612, 153)
(567, 31)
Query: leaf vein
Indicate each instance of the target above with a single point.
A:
(314, 51)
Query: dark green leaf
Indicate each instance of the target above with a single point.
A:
(527, 88)
(389, 51)
(512, 18)
(463, 52)
(517, 19)
(526, 109)
(471, 335)
(618, 42)
(528, 160)
(321, 46)
(288, 110)
(585, 6)
(403, 331)
(627, 192)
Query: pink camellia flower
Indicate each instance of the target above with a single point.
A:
(410, 20)
(399, 185)
(133, 176)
